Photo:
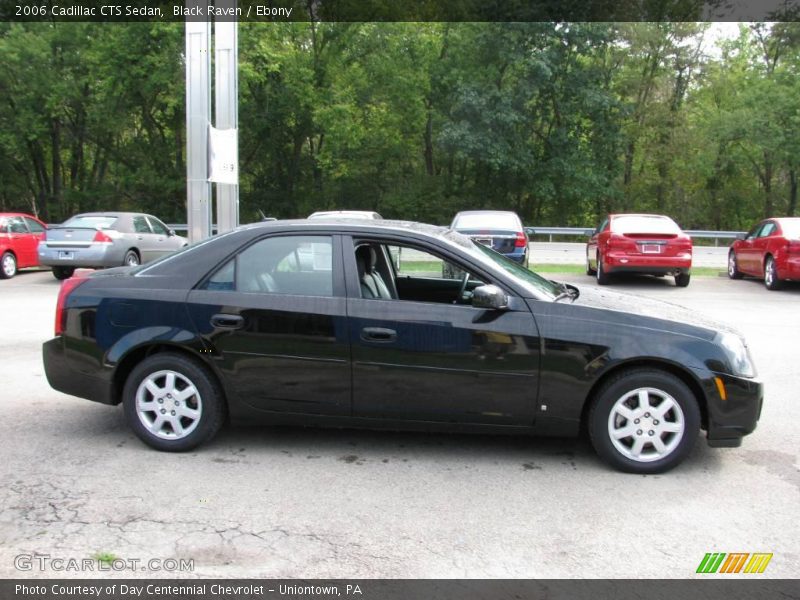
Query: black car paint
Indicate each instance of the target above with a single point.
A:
(306, 360)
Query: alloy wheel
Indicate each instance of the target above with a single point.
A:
(646, 424)
(168, 404)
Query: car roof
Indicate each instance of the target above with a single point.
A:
(639, 215)
(324, 213)
(486, 212)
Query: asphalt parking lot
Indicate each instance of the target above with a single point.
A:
(269, 502)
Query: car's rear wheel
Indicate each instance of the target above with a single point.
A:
(131, 259)
(771, 279)
(733, 269)
(8, 266)
(173, 403)
(61, 273)
(603, 278)
(589, 269)
(682, 279)
(644, 421)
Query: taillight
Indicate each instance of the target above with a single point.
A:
(102, 238)
(67, 286)
(793, 247)
(521, 241)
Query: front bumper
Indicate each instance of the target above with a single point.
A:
(731, 419)
(66, 379)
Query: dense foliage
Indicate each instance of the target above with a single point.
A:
(559, 122)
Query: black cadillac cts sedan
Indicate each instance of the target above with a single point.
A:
(351, 323)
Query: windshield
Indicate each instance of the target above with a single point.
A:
(487, 221)
(537, 284)
(91, 221)
(791, 228)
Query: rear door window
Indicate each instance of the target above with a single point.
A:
(140, 225)
(34, 226)
(294, 265)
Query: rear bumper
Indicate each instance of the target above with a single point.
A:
(731, 419)
(789, 268)
(68, 380)
(641, 263)
(100, 255)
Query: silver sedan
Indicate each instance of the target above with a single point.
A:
(106, 239)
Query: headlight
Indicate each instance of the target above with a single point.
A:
(736, 351)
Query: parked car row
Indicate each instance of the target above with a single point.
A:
(92, 240)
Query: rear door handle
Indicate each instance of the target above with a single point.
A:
(227, 321)
(378, 334)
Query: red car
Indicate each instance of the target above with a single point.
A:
(770, 251)
(19, 240)
(631, 243)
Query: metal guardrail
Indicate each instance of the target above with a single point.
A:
(587, 231)
(574, 231)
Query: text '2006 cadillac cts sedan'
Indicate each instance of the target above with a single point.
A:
(348, 323)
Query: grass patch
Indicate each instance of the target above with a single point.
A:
(105, 557)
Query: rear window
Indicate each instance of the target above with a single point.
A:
(791, 229)
(93, 222)
(644, 225)
(488, 221)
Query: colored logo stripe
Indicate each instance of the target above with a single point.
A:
(758, 563)
(716, 561)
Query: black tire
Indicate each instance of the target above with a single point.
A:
(676, 447)
(771, 280)
(682, 279)
(603, 278)
(62, 273)
(209, 398)
(131, 259)
(733, 266)
(8, 265)
(589, 269)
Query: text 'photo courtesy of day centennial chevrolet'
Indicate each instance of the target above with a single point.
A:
(394, 324)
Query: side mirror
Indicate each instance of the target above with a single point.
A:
(741, 236)
(489, 296)
(171, 232)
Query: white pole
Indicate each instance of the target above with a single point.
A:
(226, 106)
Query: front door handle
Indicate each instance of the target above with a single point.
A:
(378, 334)
(227, 321)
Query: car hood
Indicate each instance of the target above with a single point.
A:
(634, 304)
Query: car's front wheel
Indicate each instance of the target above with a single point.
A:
(173, 403)
(8, 266)
(644, 421)
(61, 273)
(771, 279)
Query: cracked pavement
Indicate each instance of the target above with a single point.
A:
(291, 502)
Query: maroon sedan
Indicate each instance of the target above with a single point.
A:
(770, 251)
(19, 240)
(633, 243)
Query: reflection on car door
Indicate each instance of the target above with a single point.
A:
(745, 254)
(278, 324)
(759, 248)
(439, 361)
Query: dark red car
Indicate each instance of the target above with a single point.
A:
(770, 251)
(633, 243)
(19, 240)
